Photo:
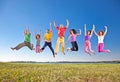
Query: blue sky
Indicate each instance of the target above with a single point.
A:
(15, 15)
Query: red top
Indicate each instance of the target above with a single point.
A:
(61, 31)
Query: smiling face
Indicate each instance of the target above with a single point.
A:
(47, 31)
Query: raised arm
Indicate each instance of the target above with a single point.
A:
(35, 34)
(79, 32)
(85, 29)
(55, 25)
(94, 30)
(50, 26)
(27, 29)
(67, 23)
(105, 30)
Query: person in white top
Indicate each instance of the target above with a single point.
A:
(101, 34)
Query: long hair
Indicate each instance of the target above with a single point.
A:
(101, 31)
(89, 31)
(38, 36)
(74, 31)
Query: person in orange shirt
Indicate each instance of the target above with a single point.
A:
(48, 38)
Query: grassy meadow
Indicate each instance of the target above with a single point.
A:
(23, 72)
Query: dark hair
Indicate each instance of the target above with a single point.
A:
(101, 31)
(38, 36)
(74, 31)
(89, 31)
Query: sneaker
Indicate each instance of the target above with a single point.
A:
(68, 49)
(109, 51)
(32, 46)
(63, 53)
(12, 48)
(55, 53)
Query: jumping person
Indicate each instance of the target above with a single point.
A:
(38, 39)
(87, 45)
(101, 34)
(26, 42)
(48, 38)
(73, 35)
(61, 31)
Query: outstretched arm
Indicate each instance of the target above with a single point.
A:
(55, 25)
(67, 23)
(94, 30)
(105, 30)
(50, 26)
(68, 39)
(85, 29)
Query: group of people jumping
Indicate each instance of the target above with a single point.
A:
(60, 40)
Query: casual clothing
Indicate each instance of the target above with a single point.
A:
(60, 40)
(74, 46)
(74, 43)
(101, 44)
(29, 45)
(61, 31)
(100, 39)
(87, 46)
(48, 36)
(27, 37)
(49, 44)
(38, 42)
(25, 43)
(87, 37)
(101, 48)
(37, 49)
(73, 37)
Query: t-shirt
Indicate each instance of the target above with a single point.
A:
(61, 31)
(48, 36)
(73, 37)
(87, 37)
(100, 39)
(38, 42)
(27, 37)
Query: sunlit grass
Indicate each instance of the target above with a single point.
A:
(18, 72)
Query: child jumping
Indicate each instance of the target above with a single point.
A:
(48, 38)
(61, 31)
(38, 38)
(87, 45)
(73, 35)
(101, 34)
(26, 42)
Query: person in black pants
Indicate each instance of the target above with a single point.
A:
(48, 37)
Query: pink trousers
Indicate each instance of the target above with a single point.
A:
(87, 47)
(101, 48)
(37, 49)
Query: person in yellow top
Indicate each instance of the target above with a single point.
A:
(48, 38)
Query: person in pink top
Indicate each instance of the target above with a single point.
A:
(87, 45)
(61, 32)
(73, 35)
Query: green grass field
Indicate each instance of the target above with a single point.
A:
(20, 72)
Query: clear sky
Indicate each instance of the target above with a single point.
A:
(15, 15)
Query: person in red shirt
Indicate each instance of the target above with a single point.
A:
(61, 32)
